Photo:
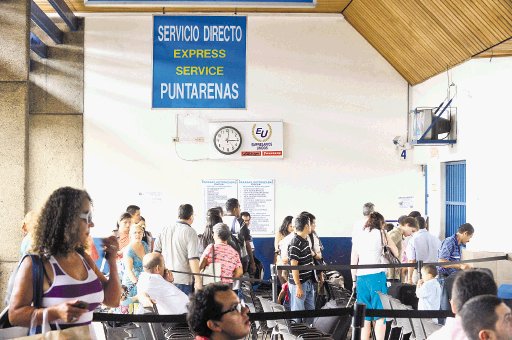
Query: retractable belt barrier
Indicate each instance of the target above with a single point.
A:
(248, 279)
(348, 266)
(402, 265)
(180, 318)
(408, 314)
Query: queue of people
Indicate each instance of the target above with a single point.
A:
(166, 270)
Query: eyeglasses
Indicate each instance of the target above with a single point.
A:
(238, 307)
(87, 217)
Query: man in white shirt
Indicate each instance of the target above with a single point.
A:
(179, 246)
(487, 317)
(468, 283)
(156, 281)
(423, 246)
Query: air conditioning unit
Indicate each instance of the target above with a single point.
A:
(431, 125)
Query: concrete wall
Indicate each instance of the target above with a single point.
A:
(14, 86)
(56, 124)
(55, 155)
(43, 150)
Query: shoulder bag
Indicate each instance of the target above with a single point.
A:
(6, 329)
(386, 256)
(211, 269)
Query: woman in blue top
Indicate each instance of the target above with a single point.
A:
(132, 258)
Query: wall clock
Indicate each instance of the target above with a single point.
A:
(227, 140)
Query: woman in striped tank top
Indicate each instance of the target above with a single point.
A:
(72, 286)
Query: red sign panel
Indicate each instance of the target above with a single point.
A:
(251, 153)
(272, 153)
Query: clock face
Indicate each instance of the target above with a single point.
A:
(227, 140)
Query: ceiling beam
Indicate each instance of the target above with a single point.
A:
(65, 13)
(38, 46)
(45, 23)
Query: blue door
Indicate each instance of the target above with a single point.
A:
(455, 196)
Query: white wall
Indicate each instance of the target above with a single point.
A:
(483, 104)
(341, 103)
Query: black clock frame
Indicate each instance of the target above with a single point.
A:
(224, 152)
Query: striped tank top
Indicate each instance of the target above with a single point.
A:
(65, 288)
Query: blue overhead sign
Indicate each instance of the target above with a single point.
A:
(199, 61)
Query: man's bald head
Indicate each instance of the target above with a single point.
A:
(151, 261)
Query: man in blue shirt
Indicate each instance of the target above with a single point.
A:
(451, 250)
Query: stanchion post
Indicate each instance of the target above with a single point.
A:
(358, 321)
(273, 275)
(418, 268)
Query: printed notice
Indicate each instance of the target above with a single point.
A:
(406, 202)
(217, 192)
(257, 197)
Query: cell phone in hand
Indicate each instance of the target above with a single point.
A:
(81, 304)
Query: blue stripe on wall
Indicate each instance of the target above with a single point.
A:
(336, 251)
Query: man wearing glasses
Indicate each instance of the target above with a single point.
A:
(216, 313)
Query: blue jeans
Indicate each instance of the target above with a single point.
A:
(307, 302)
(187, 289)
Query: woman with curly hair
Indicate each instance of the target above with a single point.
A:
(72, 285)
(212, 218)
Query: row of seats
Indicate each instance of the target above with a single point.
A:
(402, 328)
(149, 330)
(277, 329)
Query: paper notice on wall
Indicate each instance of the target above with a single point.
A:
(153, 206)
(406, 202)
(217, 191)
(257, 198)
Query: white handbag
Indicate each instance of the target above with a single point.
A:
(213, 269)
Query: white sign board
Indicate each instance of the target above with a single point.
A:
(255, 196)
(246, 140)
(406, 202)
(217, 191)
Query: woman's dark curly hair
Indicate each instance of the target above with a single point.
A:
(57, 232)
(375, 221)
(284, 227)
(203, 307)
(212, 218)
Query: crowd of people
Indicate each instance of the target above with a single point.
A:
(165, 271)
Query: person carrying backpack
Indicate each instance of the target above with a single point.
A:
(240, 235)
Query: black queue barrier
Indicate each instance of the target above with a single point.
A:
(418, 265)
(358, 312)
